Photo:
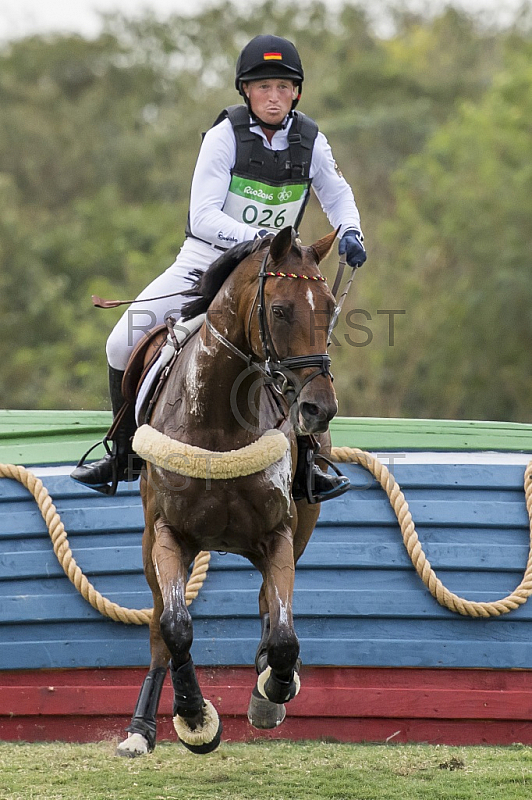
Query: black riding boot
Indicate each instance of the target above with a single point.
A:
(120, 463)
(310, 481)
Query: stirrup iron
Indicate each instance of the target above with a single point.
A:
(106, 488)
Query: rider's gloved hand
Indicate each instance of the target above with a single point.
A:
(262, 233)
(352, 244)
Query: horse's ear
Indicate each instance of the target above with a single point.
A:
(282, 244)
(261, 243)
(323, 247)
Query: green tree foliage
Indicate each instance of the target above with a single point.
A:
(463, 233)
(98, 141)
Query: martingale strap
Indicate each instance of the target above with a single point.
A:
(230, 346)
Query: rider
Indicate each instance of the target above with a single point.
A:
(252, 177)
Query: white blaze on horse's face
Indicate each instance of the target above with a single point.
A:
(298, 320)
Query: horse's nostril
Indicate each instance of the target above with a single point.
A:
(311, 410)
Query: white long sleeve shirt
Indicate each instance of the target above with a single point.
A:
(212, 177)
(210, 186)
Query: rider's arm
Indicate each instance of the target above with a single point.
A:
(331, 188)
(210, 184)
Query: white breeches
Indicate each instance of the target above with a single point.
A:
(141, 317)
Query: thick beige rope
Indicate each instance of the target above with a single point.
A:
(411, 541)
(339, 454)
(64, 555)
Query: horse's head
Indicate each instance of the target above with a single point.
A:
(268, 303)
(295, 308)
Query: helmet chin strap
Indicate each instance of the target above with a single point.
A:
(280, 126)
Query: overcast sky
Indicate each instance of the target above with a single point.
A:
(22, 17)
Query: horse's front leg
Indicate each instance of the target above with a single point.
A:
(142, 730)
(195, 719)
(277, 657)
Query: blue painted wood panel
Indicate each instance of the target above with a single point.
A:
(357, 599)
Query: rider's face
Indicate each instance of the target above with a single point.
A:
(271, 99)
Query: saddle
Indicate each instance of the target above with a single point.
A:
(145, 375)
(144, 355)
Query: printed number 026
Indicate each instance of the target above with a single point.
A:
(250, 214)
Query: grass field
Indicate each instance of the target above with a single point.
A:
(266, 771)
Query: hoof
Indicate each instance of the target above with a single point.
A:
(263, 714)
(202, 739)
(135, 745)
(275, 691)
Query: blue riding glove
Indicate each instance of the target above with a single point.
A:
(352, 245)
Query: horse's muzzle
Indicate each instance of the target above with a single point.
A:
(314, 417)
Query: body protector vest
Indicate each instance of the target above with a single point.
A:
(269, 189)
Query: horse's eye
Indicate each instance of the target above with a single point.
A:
(278, 312)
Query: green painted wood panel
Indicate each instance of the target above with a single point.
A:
(59, 437)
(50, 437)
(377, 434)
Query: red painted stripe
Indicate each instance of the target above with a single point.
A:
(323, 701)
(312, 677)
(348, 704)
(363, 677)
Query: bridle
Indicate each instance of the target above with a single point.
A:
(281, 369)
(278, 372)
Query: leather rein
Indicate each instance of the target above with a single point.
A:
(278, 372)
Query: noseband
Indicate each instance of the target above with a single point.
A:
(278, 371)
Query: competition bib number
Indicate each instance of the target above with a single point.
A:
(263, 218)
(263, 206)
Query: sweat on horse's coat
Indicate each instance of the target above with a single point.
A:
(182, 329)
(196, 462)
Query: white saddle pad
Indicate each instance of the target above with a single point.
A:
(182, 330)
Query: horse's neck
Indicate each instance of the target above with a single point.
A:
(216, 389)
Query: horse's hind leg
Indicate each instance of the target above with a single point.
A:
(195, 719)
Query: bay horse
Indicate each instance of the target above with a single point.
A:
(220, 454)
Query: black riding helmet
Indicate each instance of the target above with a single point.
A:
(268, 56)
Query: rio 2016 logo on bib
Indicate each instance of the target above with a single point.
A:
(260, 193)
(262, 206)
